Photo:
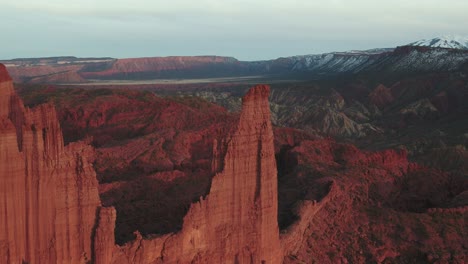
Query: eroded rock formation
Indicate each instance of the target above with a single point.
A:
(381, 96)
(51, 212)
(48, 192)
(337, 204)
(237, 221)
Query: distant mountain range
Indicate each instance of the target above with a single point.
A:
(438, 54)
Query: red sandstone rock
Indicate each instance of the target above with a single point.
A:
(360, 215)
(367, 213)
(237, 221)
(4, 76)
(55, 190)
(104, 242)
(141, 139)
(48, 192)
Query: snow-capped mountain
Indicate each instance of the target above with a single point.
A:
(451, 42)
(402, 59)
(337, 62)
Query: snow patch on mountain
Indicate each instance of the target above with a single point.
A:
(338, 62)
(450, 42)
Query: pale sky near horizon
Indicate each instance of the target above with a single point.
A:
(246, 30)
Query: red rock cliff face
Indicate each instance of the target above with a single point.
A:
(50, 210)
(237, 221)
(48, 192)
(4, 76)
(242, 203)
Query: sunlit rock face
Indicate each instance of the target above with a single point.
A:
(51, 212)
(237, 221)
(48, 192)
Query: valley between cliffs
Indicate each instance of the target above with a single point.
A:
(253, 193)
(52, 189)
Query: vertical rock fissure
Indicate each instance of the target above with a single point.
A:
(6, 230)
(258, 185)
(93, 235)
(27, 207)
(17, 119)
(67, 217)
(35, 176)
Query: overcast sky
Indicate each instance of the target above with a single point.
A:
(247, 30)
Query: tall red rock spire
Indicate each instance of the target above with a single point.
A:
(237, 220)
(50, 210)
(48, 192)
(242, 205)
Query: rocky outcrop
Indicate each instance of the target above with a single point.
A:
(53, 189)
(354, 206)
(243, 197)
(421, 109)
(237, 221)
(381, 96)
(104, 241)
(4, 76)
(48, 192)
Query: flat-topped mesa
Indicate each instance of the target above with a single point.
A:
(237, 220)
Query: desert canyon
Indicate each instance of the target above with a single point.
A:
(99, 175)
(234, 132)
(51, 212)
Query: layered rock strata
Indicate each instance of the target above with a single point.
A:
(50, 210)
(237, 221)
(48, 192)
